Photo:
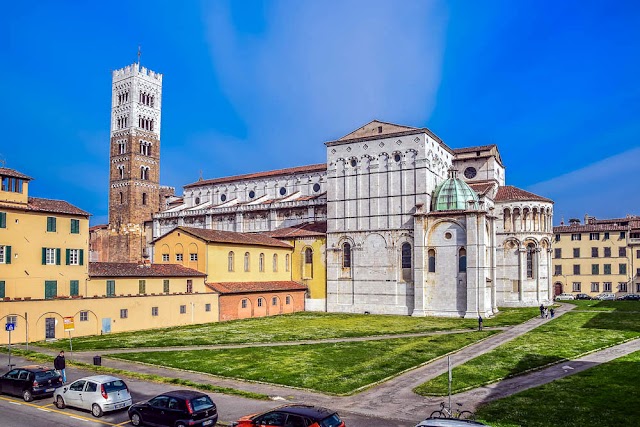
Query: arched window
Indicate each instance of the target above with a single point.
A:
(346, 255)
(406, 255)
(230, 266)
(432, 261)
(121, 198)
(462, 260)
(275, 262)
(246, 261)
(531, 249)
(144, 198)
(197, 200)
(308, 256)
(286, 263)
(261, 263)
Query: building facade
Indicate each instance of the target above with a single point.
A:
(597, 256)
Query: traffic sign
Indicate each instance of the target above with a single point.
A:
(9, 327)
(68, 323)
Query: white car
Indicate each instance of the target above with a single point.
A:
(565, 297)
(605, 296)
(98, 394)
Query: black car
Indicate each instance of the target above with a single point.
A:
(175, 408)
(583, 296)
(632, 297)
(30, 381)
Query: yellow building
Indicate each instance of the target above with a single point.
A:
(597, 256)
(309, 241)
(45, 276)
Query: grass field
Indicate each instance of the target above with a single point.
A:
(296, 327)
(337, 368)
(606, 395)
(567, 337)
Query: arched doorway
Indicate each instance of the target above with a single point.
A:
(557, 289)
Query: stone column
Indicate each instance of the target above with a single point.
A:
(522, 263)
(419, 262)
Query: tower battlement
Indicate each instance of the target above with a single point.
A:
(136, 70)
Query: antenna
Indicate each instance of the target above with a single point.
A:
(139, 54)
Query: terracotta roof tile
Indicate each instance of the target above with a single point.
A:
(35, 204)
(472, 149)
(587, 228)
(254, 287)
(217, 236)
(320, 167)
(481, 187)
(509, 193)
(98, 227)
(308, 229)
(14, 174)
(127, 269)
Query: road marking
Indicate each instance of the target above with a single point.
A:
(123, 423)
(43, 410)
(66, 414)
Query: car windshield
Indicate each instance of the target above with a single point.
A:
(201, 403)
(46, 375)
(331, 421)
(116, 385)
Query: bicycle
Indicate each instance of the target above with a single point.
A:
(445, 412)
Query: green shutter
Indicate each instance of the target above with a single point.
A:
(7, 254)
(75, 226)
(68, 255)
(165, 286)
(44, 256)
(142, 287)
(58, 256)
(111, 288)
(2, 294)
(53, 224)
(50, 289)
(74, 286)
(3, 220)
(81, 257)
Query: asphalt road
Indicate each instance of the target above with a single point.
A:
(15, 412)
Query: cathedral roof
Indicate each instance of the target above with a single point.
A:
(482, 187)
(472, 149)
(250, 287)
(133, 269)
(510, 193)
(320, 167)
(218, 236)
(308, 229)
(453, 194)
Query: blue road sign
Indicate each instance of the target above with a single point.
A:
(9, 327)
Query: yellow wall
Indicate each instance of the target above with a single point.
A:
(12, 197)
(313, 275)
(215, 263)
(139, 314)
(26, 233)
(585, 260)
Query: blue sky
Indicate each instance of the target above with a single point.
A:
(252, 86)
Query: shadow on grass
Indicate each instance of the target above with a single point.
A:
(620, 316)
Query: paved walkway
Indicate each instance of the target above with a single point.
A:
(392, 399)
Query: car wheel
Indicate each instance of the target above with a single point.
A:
(180, 425)
(27, 396)
(96, 410)
(136, 419)
(60, 402)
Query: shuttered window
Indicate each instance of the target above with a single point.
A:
(3, 220)
(50, 289)
(51, 223)
(2, 289)
(5, 254)
(75, 226)
(111, 288)
(74, 286)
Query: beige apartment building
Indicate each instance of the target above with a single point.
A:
(599, 255)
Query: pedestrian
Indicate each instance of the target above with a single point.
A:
(552, 311)
(542, 311)
(479, 323)
(546, 313)
(60, 366)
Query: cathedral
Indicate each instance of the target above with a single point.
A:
(408, 225)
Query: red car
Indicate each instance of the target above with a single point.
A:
(293, 416)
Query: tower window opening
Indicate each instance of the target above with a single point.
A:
(406, 255)
(144, 198)
(346, 255)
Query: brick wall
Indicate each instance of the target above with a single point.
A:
(231, 305)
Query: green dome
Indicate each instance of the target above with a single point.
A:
(453, 194)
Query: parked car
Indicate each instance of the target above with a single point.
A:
(448, 422)
(605, 296)
(582, 296)
(175, 408)
(632, 297)
(565, 297)
(30, 381)
(293, 416)
(98, 394)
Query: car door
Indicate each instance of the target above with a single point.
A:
(174, 411)
(9, 381)
(23, 382)
(276, 419)
(156, 410)
(295, 421)
(90, 394)
(73, 395)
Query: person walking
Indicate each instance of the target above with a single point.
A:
(542, 311)
(552, 311)
(60, 365)
(546, 313)
(479, 323)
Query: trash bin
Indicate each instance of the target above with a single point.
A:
(97, 360)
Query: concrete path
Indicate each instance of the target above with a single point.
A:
(392, 399)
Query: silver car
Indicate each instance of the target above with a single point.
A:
(98, 394)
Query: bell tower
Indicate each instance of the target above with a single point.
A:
(134, 161)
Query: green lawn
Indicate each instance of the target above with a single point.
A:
(566, 337)
(336, 368)
(299, 326)
(606, 395)
(606, 305)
